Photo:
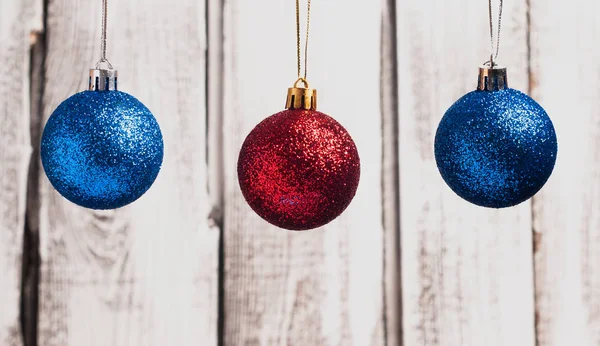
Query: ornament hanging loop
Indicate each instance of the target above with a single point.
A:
(103, 78)
(103, 61)
(104, 25)
(298, 43)
(301, 80)
(301, 97)
(494, 46)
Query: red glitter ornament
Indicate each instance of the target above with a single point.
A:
(299, 169)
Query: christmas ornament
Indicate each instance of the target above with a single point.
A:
(102, 148)
(495, 147)
(299, 169)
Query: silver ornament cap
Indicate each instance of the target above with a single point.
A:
(103, 79)
(492, 78)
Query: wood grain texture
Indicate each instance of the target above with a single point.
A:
(31, 241)
(320, 287)
(390, 175)
(564, 74)
(466, 271)
(214, 107)
(145, 274)
(17, 20)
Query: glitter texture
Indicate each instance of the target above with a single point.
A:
(299, 169)
(496, 149)
(102, 149)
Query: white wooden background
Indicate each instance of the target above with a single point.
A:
(409, 263)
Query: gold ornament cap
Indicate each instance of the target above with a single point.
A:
(301, 98)
(492, 78)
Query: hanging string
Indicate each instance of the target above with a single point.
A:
(103, 38)
(305, 41)
(494, 52)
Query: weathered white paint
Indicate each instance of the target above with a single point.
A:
(319, 287)
(564, 72)
(145, 274)
(17, 20)
(466, 271)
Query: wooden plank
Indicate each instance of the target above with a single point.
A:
(17, 20)
(564, 74)
(390, 175)
(31, 241)
(215, 107)
(319, 287)
(466, 271)
(145, 274)
(215, 135)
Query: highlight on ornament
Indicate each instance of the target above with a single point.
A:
(102, 148)
(299, 169)
(495, 147)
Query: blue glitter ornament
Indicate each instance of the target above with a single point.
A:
(102, 149)
(495, 147)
